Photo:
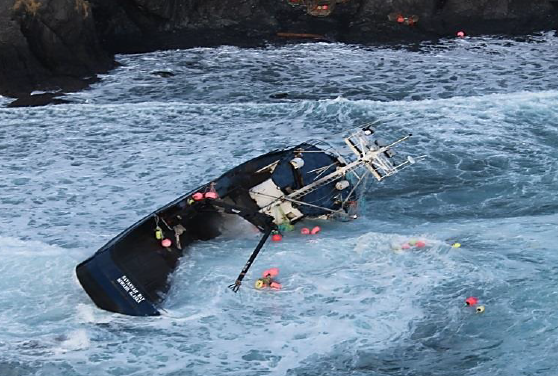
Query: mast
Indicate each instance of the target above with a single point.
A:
(374, 157)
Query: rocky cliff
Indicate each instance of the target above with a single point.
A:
(62, 44)
(144, 25)
(48, 45)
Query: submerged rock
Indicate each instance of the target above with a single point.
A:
(38, 100)
(279, 96)
(164, 74)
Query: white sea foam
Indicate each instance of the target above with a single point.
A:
(75, 340)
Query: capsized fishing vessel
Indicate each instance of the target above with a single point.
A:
(130, 274)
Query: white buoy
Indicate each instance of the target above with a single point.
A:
(297, 162)
(341, 184)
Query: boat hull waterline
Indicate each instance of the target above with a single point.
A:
(131, 273)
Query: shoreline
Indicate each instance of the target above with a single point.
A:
(59, 47)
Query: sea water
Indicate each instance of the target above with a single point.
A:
(483, 110)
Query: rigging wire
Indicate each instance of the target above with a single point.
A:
(285, 198)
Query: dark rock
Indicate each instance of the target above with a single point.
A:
(145, 25)
(279, 96)
(37, 100)
(164, 74)
(48, 44)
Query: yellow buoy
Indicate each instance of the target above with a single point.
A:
(456, 245)
(158, 233)
(480, 309)
(260, 284)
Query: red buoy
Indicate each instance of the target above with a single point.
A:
(420, 244)
(315, 230)
(305, 231)
(275, 285)
(471, 301)
(276, 237)
(166, 243)
(211, 195)
(461, 34)
(197, 196)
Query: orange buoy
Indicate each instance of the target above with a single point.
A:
(276, 237)
(271, 272)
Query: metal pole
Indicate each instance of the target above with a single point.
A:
(236, 285)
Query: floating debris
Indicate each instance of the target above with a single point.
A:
(401, 19)
(318, 8)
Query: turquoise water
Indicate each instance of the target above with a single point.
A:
(484, 111)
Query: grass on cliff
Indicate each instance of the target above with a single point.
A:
(32, 7)
(29, 6)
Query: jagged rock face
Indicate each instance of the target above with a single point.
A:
(56, 43)
(15, 60)
(61, 34)
(143, 25)
(496, 16)
(48, 44)
(379, 9)
(497, 9)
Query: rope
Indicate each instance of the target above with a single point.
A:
(364, 177)
(321, 170)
